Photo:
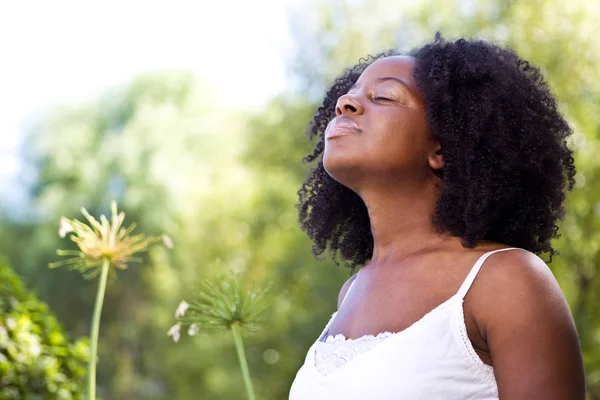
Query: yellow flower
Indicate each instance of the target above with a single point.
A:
(104, 240)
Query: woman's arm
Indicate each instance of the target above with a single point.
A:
(529, 330)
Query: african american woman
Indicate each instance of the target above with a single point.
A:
(441, 173)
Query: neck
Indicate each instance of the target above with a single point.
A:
(401, 222)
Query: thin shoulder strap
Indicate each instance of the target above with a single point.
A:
(462, 292)
(348, 291)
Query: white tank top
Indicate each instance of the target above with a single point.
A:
(432, 359)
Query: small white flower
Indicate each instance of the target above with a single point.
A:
(181, 309)
(168, 242)
(174, 332)
(193, 330)
(65, 227)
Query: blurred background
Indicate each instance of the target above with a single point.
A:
(190, 114)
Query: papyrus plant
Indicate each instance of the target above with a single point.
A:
(104, 247)
(224, 305)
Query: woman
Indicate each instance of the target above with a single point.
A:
(442, 173)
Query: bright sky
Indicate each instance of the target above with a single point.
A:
(65, 50)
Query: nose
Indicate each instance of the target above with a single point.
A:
(347, 104)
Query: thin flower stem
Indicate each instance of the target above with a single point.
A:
(239, 346)
(96, 329)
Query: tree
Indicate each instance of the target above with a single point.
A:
(37, 359)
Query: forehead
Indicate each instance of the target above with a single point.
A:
(395, 66)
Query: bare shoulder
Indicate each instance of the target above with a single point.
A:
(527, 324)
(519, 275)
(344, 289)
(519, 278)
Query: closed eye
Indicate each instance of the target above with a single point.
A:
(382, 99)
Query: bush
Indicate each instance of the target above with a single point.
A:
(37, 361)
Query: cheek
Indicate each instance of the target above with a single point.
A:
(399, 141)
(391, 133)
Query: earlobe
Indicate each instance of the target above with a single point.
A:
(436, 160)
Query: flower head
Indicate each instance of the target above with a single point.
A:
(175, 332)
(193, 329)
(221, 304)
(99, 241)
(183, 306)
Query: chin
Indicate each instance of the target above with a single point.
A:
(343, 169)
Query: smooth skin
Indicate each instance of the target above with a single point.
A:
(516, 315)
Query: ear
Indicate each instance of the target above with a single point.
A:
(436, 160)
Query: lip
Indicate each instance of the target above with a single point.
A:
(341, 127)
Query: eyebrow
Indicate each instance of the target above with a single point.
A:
(389, 78)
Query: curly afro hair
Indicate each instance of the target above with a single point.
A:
(507, 163)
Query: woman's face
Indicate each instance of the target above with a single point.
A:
(380, 133)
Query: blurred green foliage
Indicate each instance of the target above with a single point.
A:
(222, 183)
(37, 361)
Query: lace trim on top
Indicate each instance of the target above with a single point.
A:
(336, 351)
